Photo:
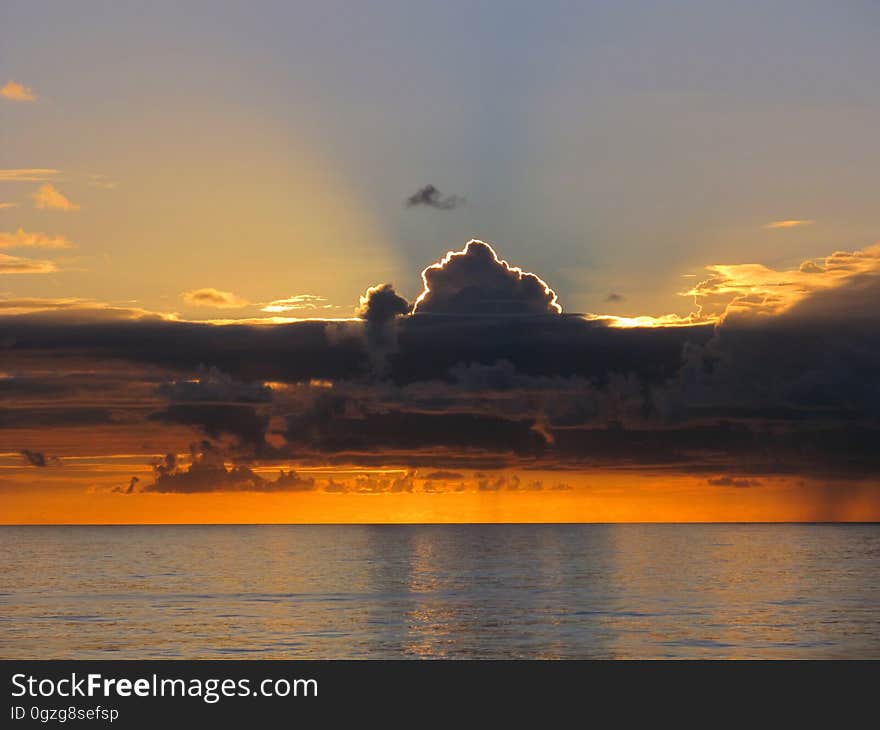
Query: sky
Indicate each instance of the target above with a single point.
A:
(680, 200)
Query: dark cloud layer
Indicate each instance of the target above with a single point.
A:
(487, 373)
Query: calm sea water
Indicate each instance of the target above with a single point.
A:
(495, 591)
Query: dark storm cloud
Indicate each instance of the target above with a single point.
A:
(430, 197)
(213, 385)
(476, 281)
(245, 423)
(330, 426)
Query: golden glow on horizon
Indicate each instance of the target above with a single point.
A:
(598, 496)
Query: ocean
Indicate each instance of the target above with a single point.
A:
(440, 591)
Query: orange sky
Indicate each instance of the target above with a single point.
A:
(82, 494)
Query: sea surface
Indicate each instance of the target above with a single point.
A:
(462, 591)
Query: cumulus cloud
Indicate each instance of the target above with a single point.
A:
(210, 297)
(19, 265)
(14, 91)
(430, 197)
(49, 197)
(32, 239)
(475, 281)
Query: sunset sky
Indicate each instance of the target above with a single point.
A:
(676, 315)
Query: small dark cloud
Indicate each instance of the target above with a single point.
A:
(39, 459)
(132, 483)
(432, 198)
(614, 297)
(475, 281)
(728, 481)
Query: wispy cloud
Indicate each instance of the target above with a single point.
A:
(28, 174)
(15, 91)
(4, 206)
(299, 301)
(32, 239)
(18, 265)
(98, 180)
(792, 223)
(210, 297)
(49, 197)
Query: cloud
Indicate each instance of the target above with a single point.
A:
(49, 197)
(97, 180)
(780, 382)
(444, 475)
(29, 174)
(32, 239)
(380, 307)
(39, 459)
(210, 297)
(15, 91)
(793, 223)
(755, 291)
(430, 197)
(297, 302)
(214, 386)
(729, 481)
(380, 304)
(614, 297)
(208, 472)
(6, 206)
(475, 281)
(18, 265)
(245, 423)
(71, 310)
